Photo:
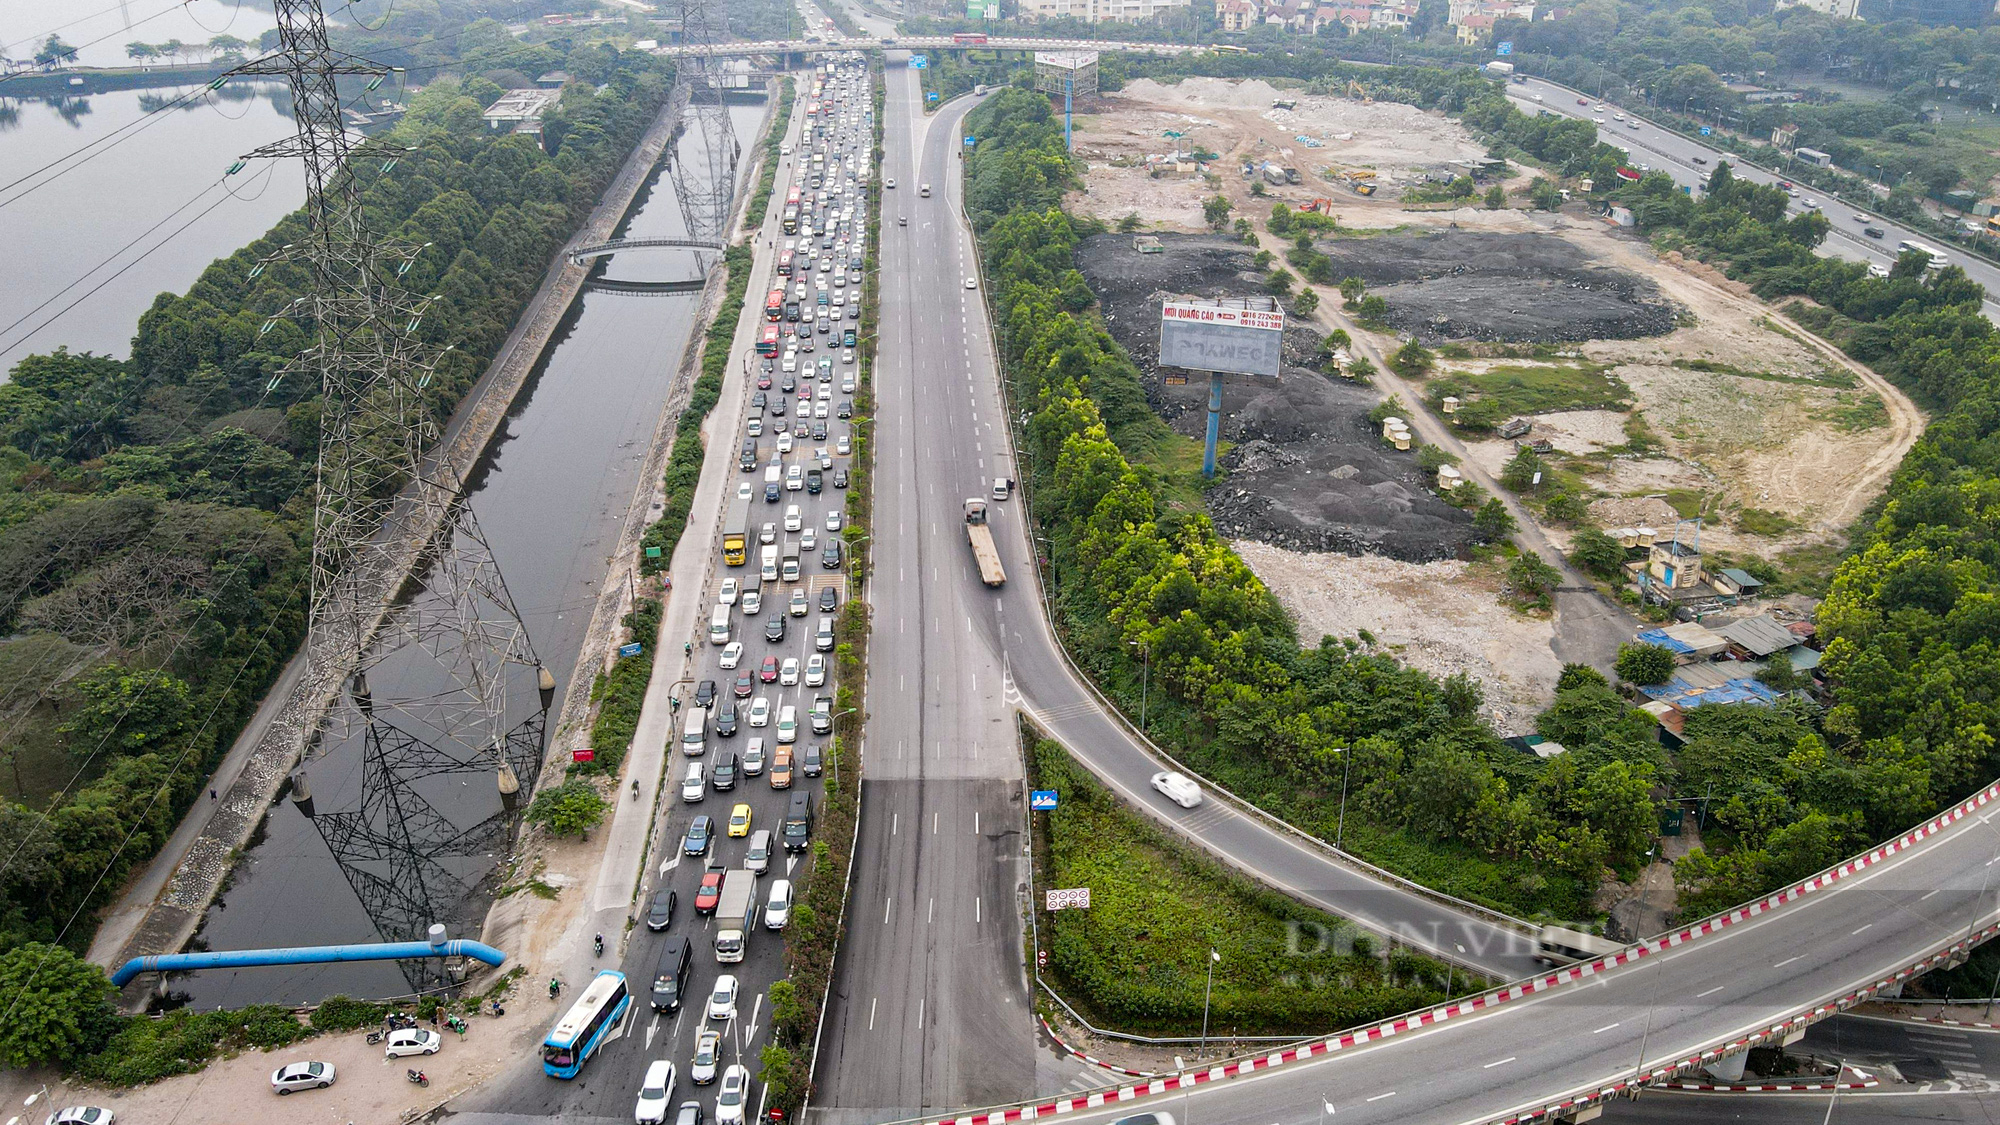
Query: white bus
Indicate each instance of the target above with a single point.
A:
(1938, 260)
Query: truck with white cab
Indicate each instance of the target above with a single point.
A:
(981, 537)
(733, 914)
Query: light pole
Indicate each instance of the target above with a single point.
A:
(1206, 991)
(1835, 1095)
(1451, 968)
(1145, 678)
(1346, 767)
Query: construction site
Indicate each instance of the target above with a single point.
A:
(1657, 392)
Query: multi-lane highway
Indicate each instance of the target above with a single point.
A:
(1690, 163)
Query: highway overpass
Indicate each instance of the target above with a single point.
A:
(926, 43)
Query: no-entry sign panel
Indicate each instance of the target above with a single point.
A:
(1204, 337)
(1073, 898)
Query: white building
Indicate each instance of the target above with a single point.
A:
(1100, 11)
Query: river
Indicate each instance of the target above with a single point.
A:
(551, 496)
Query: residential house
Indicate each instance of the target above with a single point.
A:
(1236, 15)
(1475, 29)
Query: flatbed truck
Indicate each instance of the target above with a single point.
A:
(981, 537)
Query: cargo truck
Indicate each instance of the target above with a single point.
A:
(981, 537)
(733, 914)
(1559, 946)
(736, 533)
(769, 570)
(791, 566)
(1500, 69)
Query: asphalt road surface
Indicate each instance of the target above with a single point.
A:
(1690, 163)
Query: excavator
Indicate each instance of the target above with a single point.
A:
(1359, 92)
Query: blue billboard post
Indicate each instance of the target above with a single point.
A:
(1238, 336)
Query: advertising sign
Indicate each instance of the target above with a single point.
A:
(1212, 337)
(1504, 47)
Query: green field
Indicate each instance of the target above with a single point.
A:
(1495, 395)
(1135, 960)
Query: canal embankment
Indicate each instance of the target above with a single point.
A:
(163, 908)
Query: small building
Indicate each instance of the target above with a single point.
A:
(1754, 638)
(1148, 244)
(553, 80)
(1786, 137)
(1689, 641)
(1236, 15)
(1674, 564)
(1722, 681)
(1672, 720)
(520, 111)
(1736, 583)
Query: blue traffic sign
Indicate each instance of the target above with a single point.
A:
(931, 96)
(1504, 47)
(970, 141)
(633, 649)
(918, 62)
(1705, 130)
(1042, 800)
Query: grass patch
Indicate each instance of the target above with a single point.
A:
(1137, 959)
(1855, 413)
(1759, 521)
(1490, 397)
(1829, 377)
(1688, 502)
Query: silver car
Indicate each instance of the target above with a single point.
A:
(302, 1076)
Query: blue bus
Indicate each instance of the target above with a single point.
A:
(597, 1017)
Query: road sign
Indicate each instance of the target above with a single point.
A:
(931, 96)
(633, 649)
(1214, 337)
(1705, 130)
(970, 141)
(918, 62)
(652, 552)
(1076, 898)
(1042, 800)
(1504, 47)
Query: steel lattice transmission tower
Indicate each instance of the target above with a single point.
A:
(400, 568)
(705, 203)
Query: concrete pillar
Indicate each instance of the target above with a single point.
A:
(1892, 992)
(1729, 1068)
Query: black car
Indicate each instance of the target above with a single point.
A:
(704, 693)
(819, 430)
(829, 598)
(823, 327)
(806, 342)
(809, 762)
(670, 976)
(700, 835)
(774, 628)
(854, 312)
(840, 478)
(789, 383)
(813, 478)
(771, 492)
(725, 719)
(1872, 232)
(757, 400)
(777, 407)
(723, 774)
(829, 558)
(846, 409)
(661, 914)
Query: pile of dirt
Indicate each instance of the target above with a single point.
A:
(1489, 285)
(1307, 471)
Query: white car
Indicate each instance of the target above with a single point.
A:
(788, 725)
(81, 1115)
(1178, 788)
(744, 491)
(795, 477)
(890, 182)
(302, 1076)
(778, 910)
(722, 1002)
(794, 519)
(655, 1094)
(752, 602)
(785, 149)
(971, 284)
(833, 519)
(808, 541)
(412, 1041)
(842, 446)
(727, 596)
(760, 712)
(768, 533)
(788, 672)
(784, 442)
(694, 786)
(732, 655)
(707, 1056)
(735, 1091)
(815, 670)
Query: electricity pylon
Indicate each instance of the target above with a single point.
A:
(705, 202)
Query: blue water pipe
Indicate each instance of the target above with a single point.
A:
(304, 955)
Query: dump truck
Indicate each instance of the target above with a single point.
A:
(981, 537)
(733, 914)
(736, 533)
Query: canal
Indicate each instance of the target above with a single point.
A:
(551, 496)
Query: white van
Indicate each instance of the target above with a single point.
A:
(769, 570)
(1002, 488)
(718, 626)
(694, 735)
(823, 638)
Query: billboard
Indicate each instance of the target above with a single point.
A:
(1213, 337)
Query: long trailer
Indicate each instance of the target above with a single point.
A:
(736, 533)
(981, 537)
(734, 912)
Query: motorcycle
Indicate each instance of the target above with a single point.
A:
(419, 1077)
(374, 1037)
(398, 1021)
(598, 944)
(498, 1011)
(456, 1024)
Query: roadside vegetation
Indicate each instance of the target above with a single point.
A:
(1137, 960)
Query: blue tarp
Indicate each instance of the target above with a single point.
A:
(1684, 695)
(1659, 637)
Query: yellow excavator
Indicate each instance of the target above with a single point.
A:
(1359, 92)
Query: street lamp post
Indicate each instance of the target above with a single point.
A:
(1346, 767)
(1145, 678)
(1206, 991)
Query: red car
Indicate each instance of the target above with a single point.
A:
(744, 685)
(1583, 101)
(764, 381)
(769, 672)
(711, 890)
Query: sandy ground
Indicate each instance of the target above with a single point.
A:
(1442, 617)
(1237, 121)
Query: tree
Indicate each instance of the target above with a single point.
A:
(227, 45)
(60, 1007)
(128, 711)
(1496, 197)
(1257, 187)
(1262, 259)
(1412, 360)
(1545, 194)
(1280, 281)
(1243, 227)
(1565, 508)
(1306, 303)
(1521, 470)
(1130, 223)
(1531, 577)
(1338, 338)
(54, 52)
(1579, 675)
(140, 52)
(1645, 664)
(1215, 212)
(1596, 553)
(570, 809)
(787, 1014)
(1350, 290)
(1778, 673)
(1492, 521)
(1372, 311)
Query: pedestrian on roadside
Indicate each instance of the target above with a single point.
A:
(211, 794)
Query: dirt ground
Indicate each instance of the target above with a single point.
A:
(1307, 471)
(1442, 617)
(1238, 121)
